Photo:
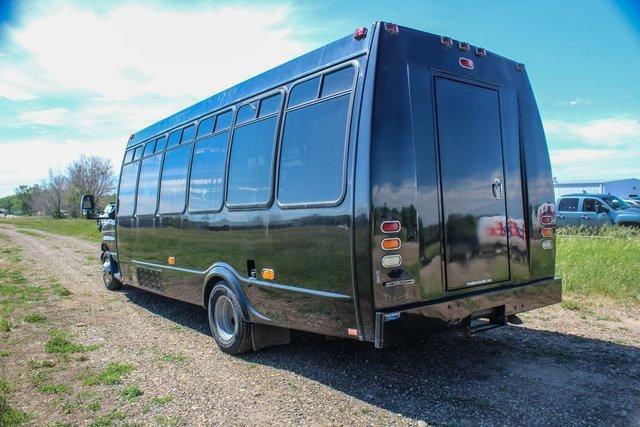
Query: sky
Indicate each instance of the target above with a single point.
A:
(79, 77)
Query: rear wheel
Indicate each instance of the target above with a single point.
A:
(109, 281)
(229, 330)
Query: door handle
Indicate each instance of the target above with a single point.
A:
(585, 217)
(496, 188)
(560, 216)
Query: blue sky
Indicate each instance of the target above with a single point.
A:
(79, 77)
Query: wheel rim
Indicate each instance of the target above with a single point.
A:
(225, 318)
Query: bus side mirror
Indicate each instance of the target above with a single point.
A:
(88, 206)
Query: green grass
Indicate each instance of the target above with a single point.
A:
(161, 400)
(60, 343)
(111, 375)
(110, 419)
(599, 263)
(54, 388)
(34, 318)
(83, 228)
(10, 416)
(59, 290)
(131, 392)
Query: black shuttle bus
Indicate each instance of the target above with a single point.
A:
(391, 184)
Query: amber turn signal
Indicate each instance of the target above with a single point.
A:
(391, 244)
(547, 232)
(171, 260)
(268, 274)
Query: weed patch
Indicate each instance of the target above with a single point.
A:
(34, 318)
(131, 392)
(111, 375)
(60, 343)
(54, 388)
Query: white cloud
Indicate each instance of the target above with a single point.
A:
(609, 131)
(50, 117)
(575, 102)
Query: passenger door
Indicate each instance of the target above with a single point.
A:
(472, 180)
(568, 215)
(593, 214)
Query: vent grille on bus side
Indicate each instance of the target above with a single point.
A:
(151, 279)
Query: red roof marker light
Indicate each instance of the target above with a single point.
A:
(391, 28)
(360, 33)
(446, 41)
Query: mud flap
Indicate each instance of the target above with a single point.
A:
(266, 336)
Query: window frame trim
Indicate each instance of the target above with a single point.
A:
(279, 117)
(345, 160)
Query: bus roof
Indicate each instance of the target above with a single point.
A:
(337, 51)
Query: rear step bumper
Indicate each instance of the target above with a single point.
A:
(475, 313)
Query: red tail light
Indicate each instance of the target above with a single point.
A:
(546, 220)
(390, 226)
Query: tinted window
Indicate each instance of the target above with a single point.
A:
(270, 105)
(174, 138)
(590, 205)
(568, 205)
(247, 112)
(148, 185)
(188, 133)
(205, 127)
(173, 187)
(161, 143)
(251, 162)
(138, 153)
(207, 173)
(128, 156)
(223, 120)
(303, 92)
(337, 81)
(149, 148)
(312, 153)
(127, 189)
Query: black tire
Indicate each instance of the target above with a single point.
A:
(229, 330)
(109, 281)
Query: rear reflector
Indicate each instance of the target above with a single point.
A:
(546, 220)
(446, 41)
(391, 244)
(352, 332)
(464, 46)
(466, 63)
(390, 226)
(391, 261)
(480, 51)
(391, 28)
(360, 33)
(547, 232)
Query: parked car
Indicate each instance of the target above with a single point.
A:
(596, 210)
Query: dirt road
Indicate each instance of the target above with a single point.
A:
(563, 366)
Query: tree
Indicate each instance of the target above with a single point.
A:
(90, 175)
(54, 193)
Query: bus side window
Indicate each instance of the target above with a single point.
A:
(207, 173)
(173, 186)
(127, 191)
(128, 156)
(312, 155)
(147, 197)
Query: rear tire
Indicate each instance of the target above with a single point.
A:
(229, 330)
(109, 281)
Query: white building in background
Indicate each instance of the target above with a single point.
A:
(619, 187)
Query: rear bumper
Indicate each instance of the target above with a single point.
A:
(429, 319)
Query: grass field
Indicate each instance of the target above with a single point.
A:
(83, 228)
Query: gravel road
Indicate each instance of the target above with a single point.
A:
(561, 367)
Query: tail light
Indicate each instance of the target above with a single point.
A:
(547, 232)
(390, 226)
(391, 244)
(546, 219)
